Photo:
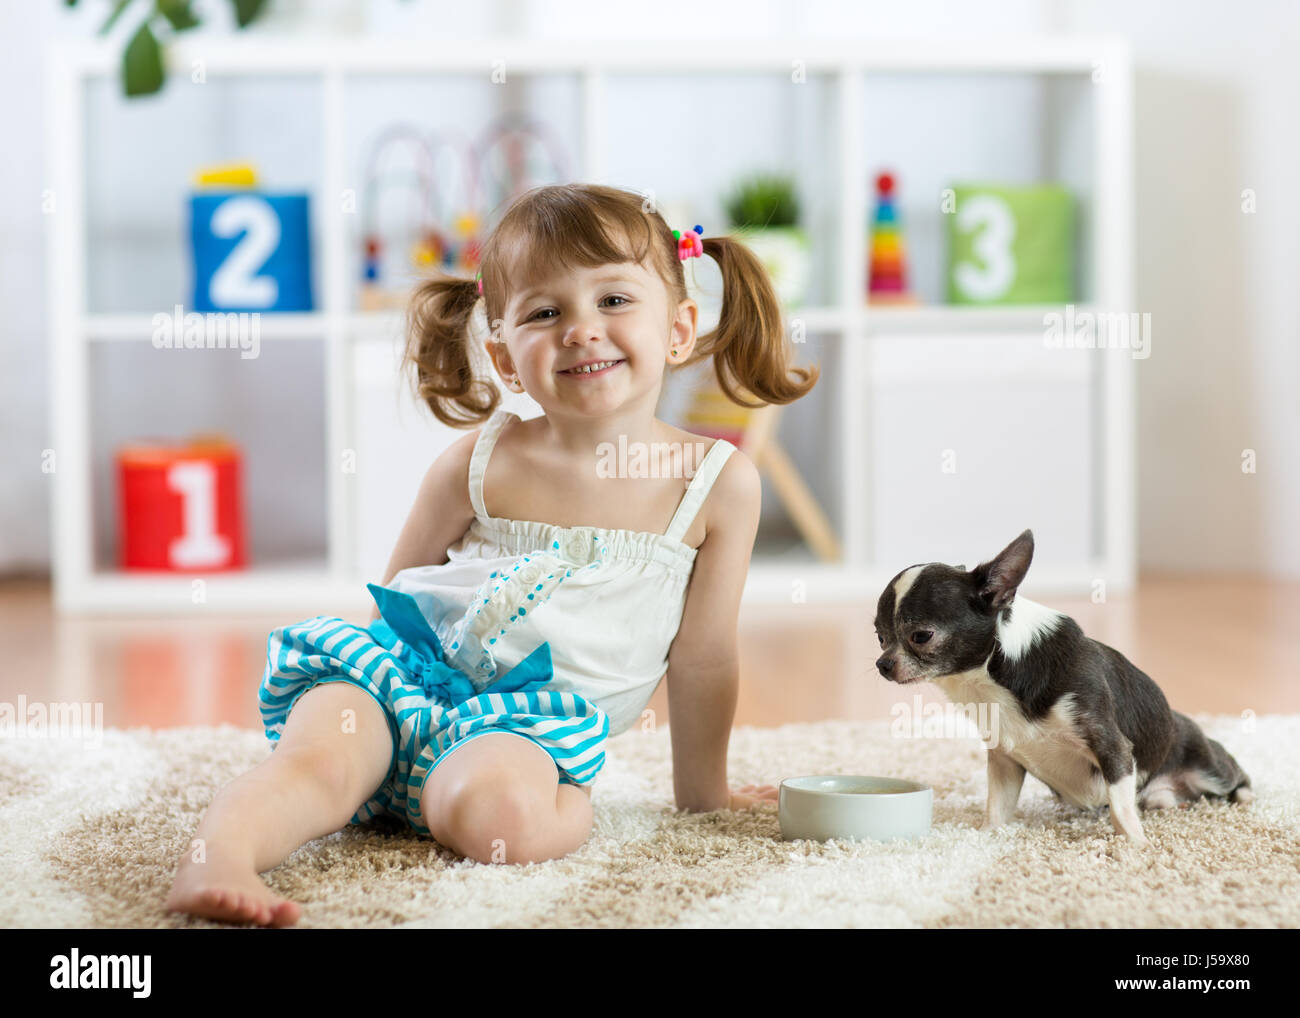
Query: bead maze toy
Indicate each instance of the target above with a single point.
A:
(887, 274)
(502, 155)
(505, 157)
(428, 243)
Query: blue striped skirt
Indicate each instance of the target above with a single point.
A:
(431, 707)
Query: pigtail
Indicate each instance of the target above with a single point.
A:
(438, 353)
(749, 348)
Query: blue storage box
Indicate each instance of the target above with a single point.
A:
(251, 251)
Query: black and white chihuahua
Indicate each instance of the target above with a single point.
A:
(1073, 712)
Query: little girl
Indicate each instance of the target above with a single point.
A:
(533, 602)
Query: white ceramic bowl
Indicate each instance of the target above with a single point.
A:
(854, 806)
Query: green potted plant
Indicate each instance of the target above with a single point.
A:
(142, 60)
(763, 210)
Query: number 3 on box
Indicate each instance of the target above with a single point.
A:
(991, 280)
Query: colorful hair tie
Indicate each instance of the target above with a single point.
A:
(689, 246)
(478, 278)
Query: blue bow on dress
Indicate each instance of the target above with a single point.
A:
(401, 618)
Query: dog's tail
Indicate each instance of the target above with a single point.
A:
(1232, 777)
(1211, 769)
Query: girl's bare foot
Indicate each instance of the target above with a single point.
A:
(311, 786)
(229, 893)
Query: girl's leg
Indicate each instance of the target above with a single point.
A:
(498, 798)
(333, 754)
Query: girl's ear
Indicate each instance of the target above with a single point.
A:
(681, 336)
(501, 359)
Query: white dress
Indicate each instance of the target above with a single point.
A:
(608, 602)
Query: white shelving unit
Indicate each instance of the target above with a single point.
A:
(863, 337)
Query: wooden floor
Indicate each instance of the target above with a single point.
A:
(1219, 645)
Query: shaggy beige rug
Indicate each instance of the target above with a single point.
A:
(89, 837)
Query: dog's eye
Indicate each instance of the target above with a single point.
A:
(922, 636)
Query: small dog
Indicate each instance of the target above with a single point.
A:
(1073, 712)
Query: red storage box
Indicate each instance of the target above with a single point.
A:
(181, 506)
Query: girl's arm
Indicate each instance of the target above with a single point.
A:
(704, 661)
(440, 516)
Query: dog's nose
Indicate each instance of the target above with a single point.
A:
(886, 664)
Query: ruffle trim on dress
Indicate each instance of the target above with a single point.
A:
(518, 537)
(505, 598)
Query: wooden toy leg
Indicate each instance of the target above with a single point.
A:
(799, 501)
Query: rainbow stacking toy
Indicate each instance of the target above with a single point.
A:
(887, 275)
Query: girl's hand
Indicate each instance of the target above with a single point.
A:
(748, 796)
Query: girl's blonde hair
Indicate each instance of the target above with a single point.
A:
(592, 225)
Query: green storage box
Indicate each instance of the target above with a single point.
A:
(1011, 245)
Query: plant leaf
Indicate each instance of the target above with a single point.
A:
(178, 13)
(142, 68)
(246, 11)
(113, 15)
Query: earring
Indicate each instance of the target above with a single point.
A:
(674, 351)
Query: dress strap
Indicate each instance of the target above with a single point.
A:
(698, 490)
(483, 445)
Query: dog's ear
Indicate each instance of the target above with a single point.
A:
(997, 581)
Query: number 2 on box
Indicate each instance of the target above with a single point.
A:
(236, 282)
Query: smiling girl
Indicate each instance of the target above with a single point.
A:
(532, 603)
